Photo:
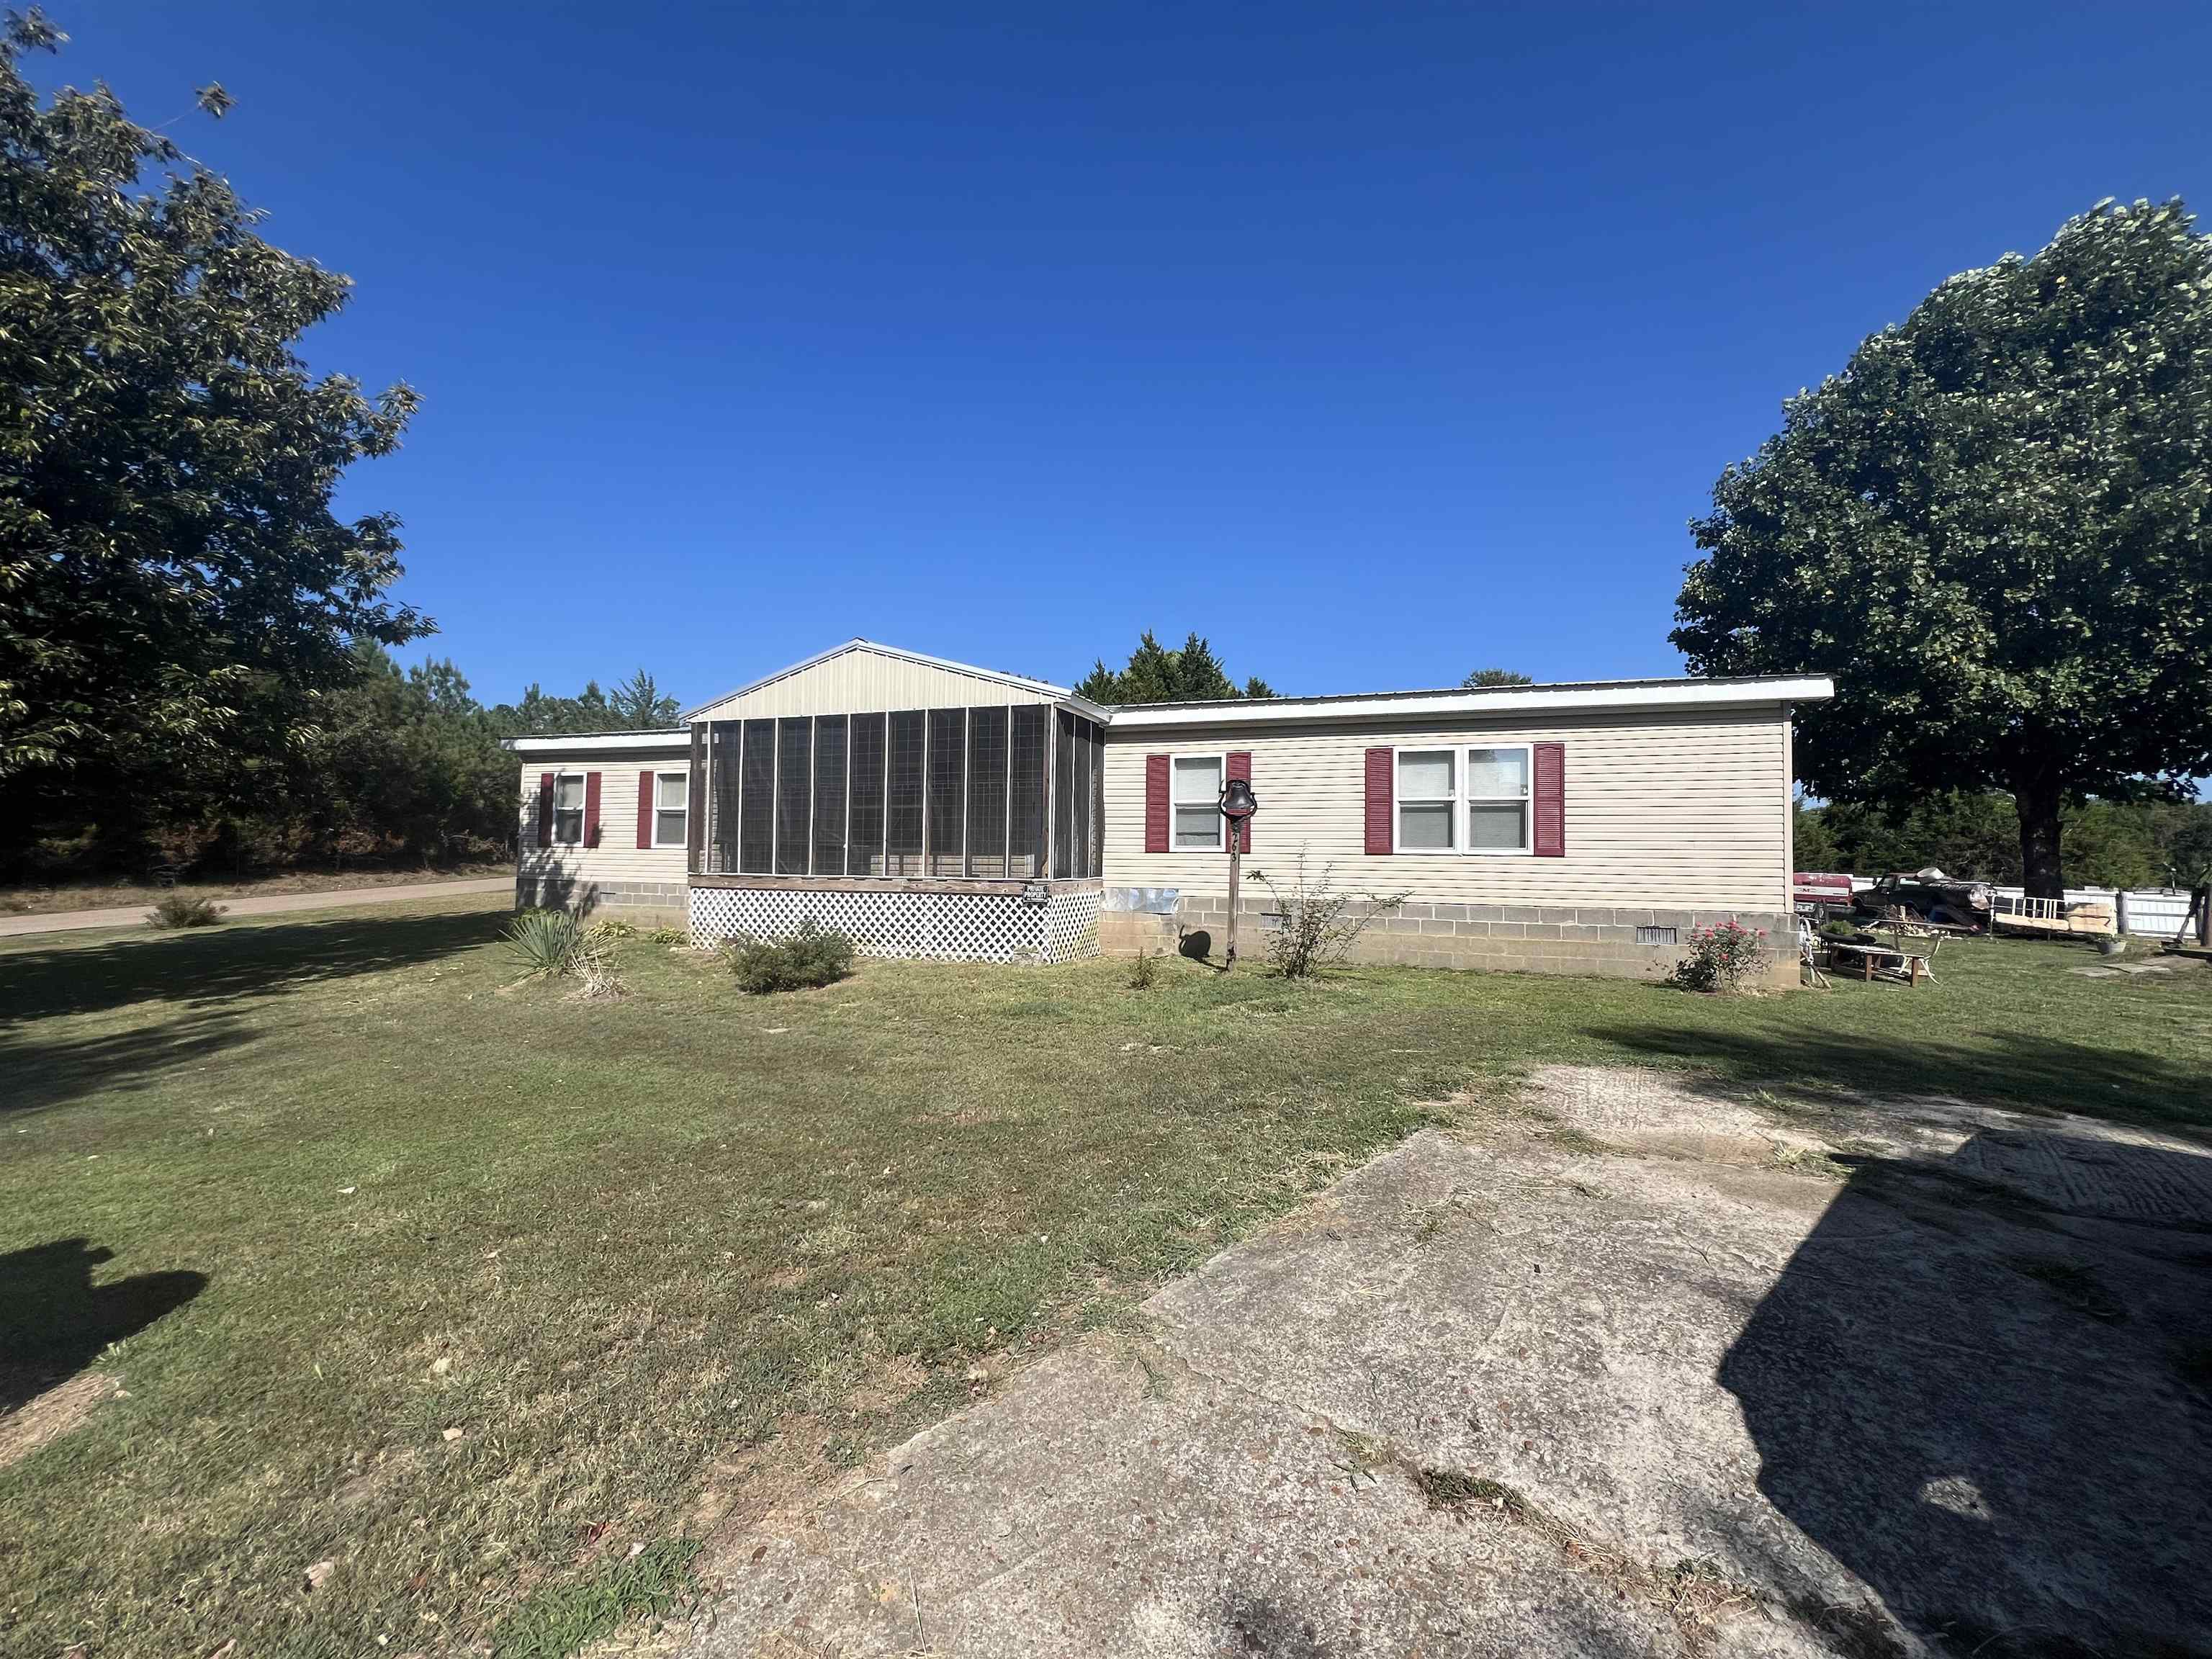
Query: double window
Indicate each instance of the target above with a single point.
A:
(568, 808)
(672, 799)
(1462, 800)
(1196, 801)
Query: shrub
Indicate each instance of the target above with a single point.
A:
(812, 956)
(609, 928)
(1722, 956)
(597, 982)
(551, 942)
(1144, 972)
(669, 936)
(178, 910)
(1836, 928)
(1319, 924)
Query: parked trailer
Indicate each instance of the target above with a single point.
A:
(2016, 913)
(2140, 912)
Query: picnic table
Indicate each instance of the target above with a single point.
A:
(1885, 960)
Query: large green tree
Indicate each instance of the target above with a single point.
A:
(1156, 674)
(1994, 527)
(174, 586)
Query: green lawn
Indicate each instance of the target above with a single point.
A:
(333, 1189)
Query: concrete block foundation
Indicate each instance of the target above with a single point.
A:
(1610, 941)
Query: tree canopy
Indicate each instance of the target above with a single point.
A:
(1156, 674)
(174, 586)
(1991, 528)
(1483, 677)
(636, 705)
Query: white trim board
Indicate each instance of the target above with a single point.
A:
(1393, 706)
(597, 742)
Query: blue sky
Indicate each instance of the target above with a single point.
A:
(1378, 344)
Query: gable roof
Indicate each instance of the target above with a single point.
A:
(1020, 682)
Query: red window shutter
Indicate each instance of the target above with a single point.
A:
(1156, 804)
(1379, 786)
(591, 809)
(1240, 766)
(545, 809)
(1551, 792)
(644, 810)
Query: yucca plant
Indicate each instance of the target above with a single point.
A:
(548, 942)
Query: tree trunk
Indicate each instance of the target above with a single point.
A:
(2037, 798)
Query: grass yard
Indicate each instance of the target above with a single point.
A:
(467, 1288)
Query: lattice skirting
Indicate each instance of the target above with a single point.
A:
(942, 927)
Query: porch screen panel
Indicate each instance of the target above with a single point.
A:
(1097, 799)
(948, 771)
(793, 739)
(726, 792)
(830, 795)
(987, 792)
(755, 820)
(1079, 864)
(904, 807)
(1025, 854)
(695, 828)
(865, 843)
(1063, 794)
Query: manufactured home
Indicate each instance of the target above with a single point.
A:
(930, 808)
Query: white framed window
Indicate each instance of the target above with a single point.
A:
(568, 808)
(1467, 800)
(1195, 802)
(671, 800)
(1498, 800)
(1428, 800)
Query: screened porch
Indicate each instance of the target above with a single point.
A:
(971, 799)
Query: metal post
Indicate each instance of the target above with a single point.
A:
(1235, 862)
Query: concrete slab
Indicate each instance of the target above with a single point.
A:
(1948, 1390)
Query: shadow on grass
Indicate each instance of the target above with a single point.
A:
(2041, 1074)
(223, 965)
(1982, 1383)
(36, 1073)
(54, 1321)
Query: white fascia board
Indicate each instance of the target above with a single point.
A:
(598, 741)
(1504, 700)
(1059, 693)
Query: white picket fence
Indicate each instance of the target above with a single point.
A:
(2153, 912)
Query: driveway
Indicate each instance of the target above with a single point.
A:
(1629, 1369)
(272, 904)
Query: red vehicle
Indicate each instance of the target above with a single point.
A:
(1820, 896)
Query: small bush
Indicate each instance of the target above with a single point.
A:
(812, 956)
(1836, 928)
(1145, 971)
(1722, 956)
(669, 936)
(1319, 924)
(549, 942)
(178, 910)
(609, 928)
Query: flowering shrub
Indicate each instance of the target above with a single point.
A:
(1722, 956)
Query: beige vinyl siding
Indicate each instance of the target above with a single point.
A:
(617, 857)
(863, 682)
(1668, 808)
